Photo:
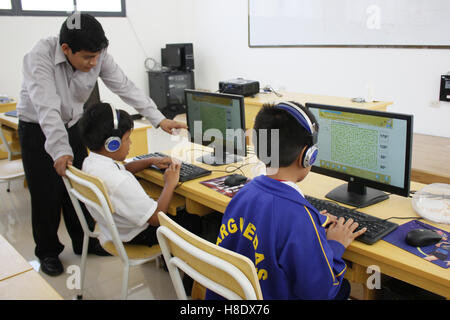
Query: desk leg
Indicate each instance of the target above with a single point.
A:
(194, 207)
(198, 291)
(358, 274)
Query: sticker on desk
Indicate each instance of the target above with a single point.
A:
(438, 253)
(218, 184)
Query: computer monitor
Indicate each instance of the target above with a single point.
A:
(369, 149)
(217, 120)
(171, 57)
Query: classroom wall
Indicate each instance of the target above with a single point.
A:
(408, 77)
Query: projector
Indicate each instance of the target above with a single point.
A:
(239, 86)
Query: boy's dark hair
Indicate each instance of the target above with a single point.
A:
(96, 125)
(83, 32)
(292, 136)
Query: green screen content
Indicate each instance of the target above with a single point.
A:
(366, 146)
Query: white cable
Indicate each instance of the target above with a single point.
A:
(156, 65)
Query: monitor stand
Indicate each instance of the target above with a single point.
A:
(357, 195)
(218, 160)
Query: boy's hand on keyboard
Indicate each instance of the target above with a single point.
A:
(344, 231)
(172, 175)
(161, 162)
(331, 218)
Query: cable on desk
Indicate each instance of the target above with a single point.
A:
(414, 218)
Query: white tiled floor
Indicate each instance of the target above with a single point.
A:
(104, 274)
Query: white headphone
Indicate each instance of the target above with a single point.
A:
(310, 154)
(113, 143)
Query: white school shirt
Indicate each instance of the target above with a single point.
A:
(53, 94)
(133, 207)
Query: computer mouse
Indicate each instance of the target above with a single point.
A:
(235, 180)
(422, 237)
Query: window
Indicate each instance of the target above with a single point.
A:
(5, 5)
(103, 8)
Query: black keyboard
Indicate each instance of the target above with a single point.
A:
(188, 171)
(376, 228)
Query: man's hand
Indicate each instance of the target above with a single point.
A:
(169, 125)
(61, 164)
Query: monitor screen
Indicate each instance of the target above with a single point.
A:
(171, 57)
(365, 147)
(217, 120)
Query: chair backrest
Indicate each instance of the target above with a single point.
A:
(91, 191)
(6, 144)
(86, 190)
(223, 271)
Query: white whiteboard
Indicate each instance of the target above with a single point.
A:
(365, 23)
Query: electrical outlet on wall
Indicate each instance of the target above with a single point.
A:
(435, 104)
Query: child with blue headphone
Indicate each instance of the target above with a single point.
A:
(106, 132)
(270, 221)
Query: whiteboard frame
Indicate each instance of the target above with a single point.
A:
(417, 46)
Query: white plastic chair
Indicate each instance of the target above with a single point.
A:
(229, 274)
(91, 191)
(9, 169)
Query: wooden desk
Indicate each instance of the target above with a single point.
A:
(12, 263)
(391, 260)
(138, 136)
(431, 159)
(253, 104)
(29, 285)
(9, 106)
(18, 280)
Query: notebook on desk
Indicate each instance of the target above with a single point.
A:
(12, 113)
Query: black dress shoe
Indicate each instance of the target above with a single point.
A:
(51, 266)
(94, 247)
(98, 250)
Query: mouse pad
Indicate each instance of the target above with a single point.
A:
(438, 253)
(219, 185)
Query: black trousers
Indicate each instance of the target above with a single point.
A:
(191, 222)
(48, 194)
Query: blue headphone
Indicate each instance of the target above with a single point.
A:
(113, 143)
(310, 154)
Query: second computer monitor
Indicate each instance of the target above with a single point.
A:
(217, 120)
(369, 149)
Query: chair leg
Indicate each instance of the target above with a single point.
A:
(9, 186)
(83, 265)
(158, 262)
(174, 273)
(126, 269)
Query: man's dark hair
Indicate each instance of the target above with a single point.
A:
(83, 32)
(292, 136)
(96, 125)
